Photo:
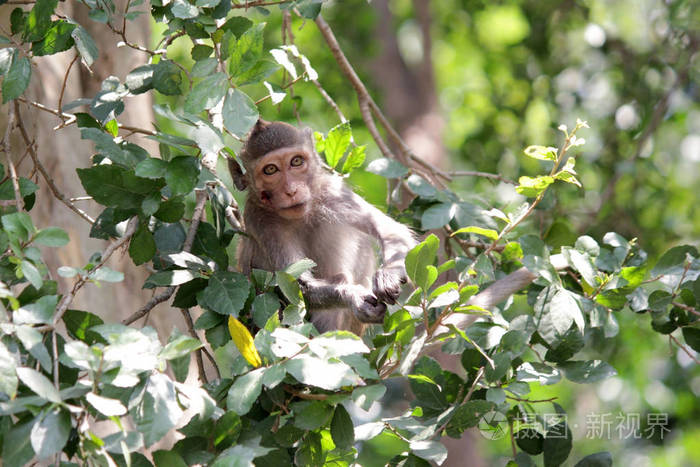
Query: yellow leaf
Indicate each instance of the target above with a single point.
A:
(244, 341)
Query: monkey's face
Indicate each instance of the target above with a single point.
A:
(282, 180)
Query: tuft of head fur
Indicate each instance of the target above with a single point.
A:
(268, 136)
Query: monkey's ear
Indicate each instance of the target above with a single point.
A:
(239, 178)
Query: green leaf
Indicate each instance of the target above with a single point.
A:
(140, 79)
(355, 159)
(201, 51)
(170, 210)
(298, 268)
(342, 429)
(438, 215)
(207, 93)
(289, 286)
(248, 50)
(19, 225)
(105, 405)
(163, 458)
(39, 20)
(419, 259)
(582, 263)
(599, 459)
(17, 78)
(429, 450)
(39, 384)
(365, 396)
(204, 68)
(239, 112)
(184, 9)
(258, 72)
(244, 391)
(556, 309)
(16, 447)
(264, 306)
(167, 278)
(421, 187)
(692, 337)
(79, 322)
(151, 168)
(6, 55)
(427, 392)
(116, 186)
(541, 152)
(533, 187)
(158, 410)
(468, 415)
(32, 340)
(167, 78)
(488, 233)
(182, 174)
(311, 415)
(31, 273)
(39, 312)
(337, 143)
(57, 39)
(85, 44)
(588, 371)
(51, 236)
(8, 375)
(540, 372)
(387, 168)
(322, 373)
(179, 346)
(530, 440)
(208, 138)
(557, 445)
(142, 246)
(226, 293)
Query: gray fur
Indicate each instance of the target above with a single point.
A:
(339, 232)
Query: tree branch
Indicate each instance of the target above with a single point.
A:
(68, 298)
(42, 170)
(201, 196)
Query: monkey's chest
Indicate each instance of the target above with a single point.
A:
(341, 253)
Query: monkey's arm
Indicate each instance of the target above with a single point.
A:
(320, 293)
(278, 253)
(395, 239)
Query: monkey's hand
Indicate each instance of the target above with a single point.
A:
(366, 307)
(386, 284)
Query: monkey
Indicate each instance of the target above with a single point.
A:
(296, 208)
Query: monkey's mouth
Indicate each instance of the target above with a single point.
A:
(295, 207)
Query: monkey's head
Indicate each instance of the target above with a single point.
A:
(281, 165)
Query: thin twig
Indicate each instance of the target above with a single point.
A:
(329, 100)
(111, 248)
(144, 310)
(201, 198)
(198, 355)
(65, 81)
(247, 5)
(682, 347)
(472, 173)
(368, 108)
(7, 147)
(685, 307)
(478, 376)
(49, 180)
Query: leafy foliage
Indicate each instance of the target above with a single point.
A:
(283, 393)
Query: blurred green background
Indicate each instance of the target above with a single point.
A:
(471, 83)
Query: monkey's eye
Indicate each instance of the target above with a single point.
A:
(269, 169)
(297, 161)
